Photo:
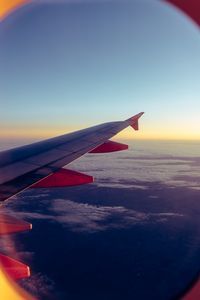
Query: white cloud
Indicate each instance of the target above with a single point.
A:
(83, 217)
(39, 285)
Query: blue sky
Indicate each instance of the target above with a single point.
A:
(71, 65)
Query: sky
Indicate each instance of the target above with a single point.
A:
(73, 64)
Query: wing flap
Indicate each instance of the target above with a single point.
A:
(9, 224)
(109, 146)
(62, 178)
(13, 268)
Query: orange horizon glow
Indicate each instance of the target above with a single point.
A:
(7, 6)
(128, 134)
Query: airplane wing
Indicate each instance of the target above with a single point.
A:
(40, 164)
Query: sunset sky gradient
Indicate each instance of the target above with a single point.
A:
(66, 66)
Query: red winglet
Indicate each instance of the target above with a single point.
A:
(109, 146)
(9, 224)
(133, 121)
(14, 268)
(62, 178)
